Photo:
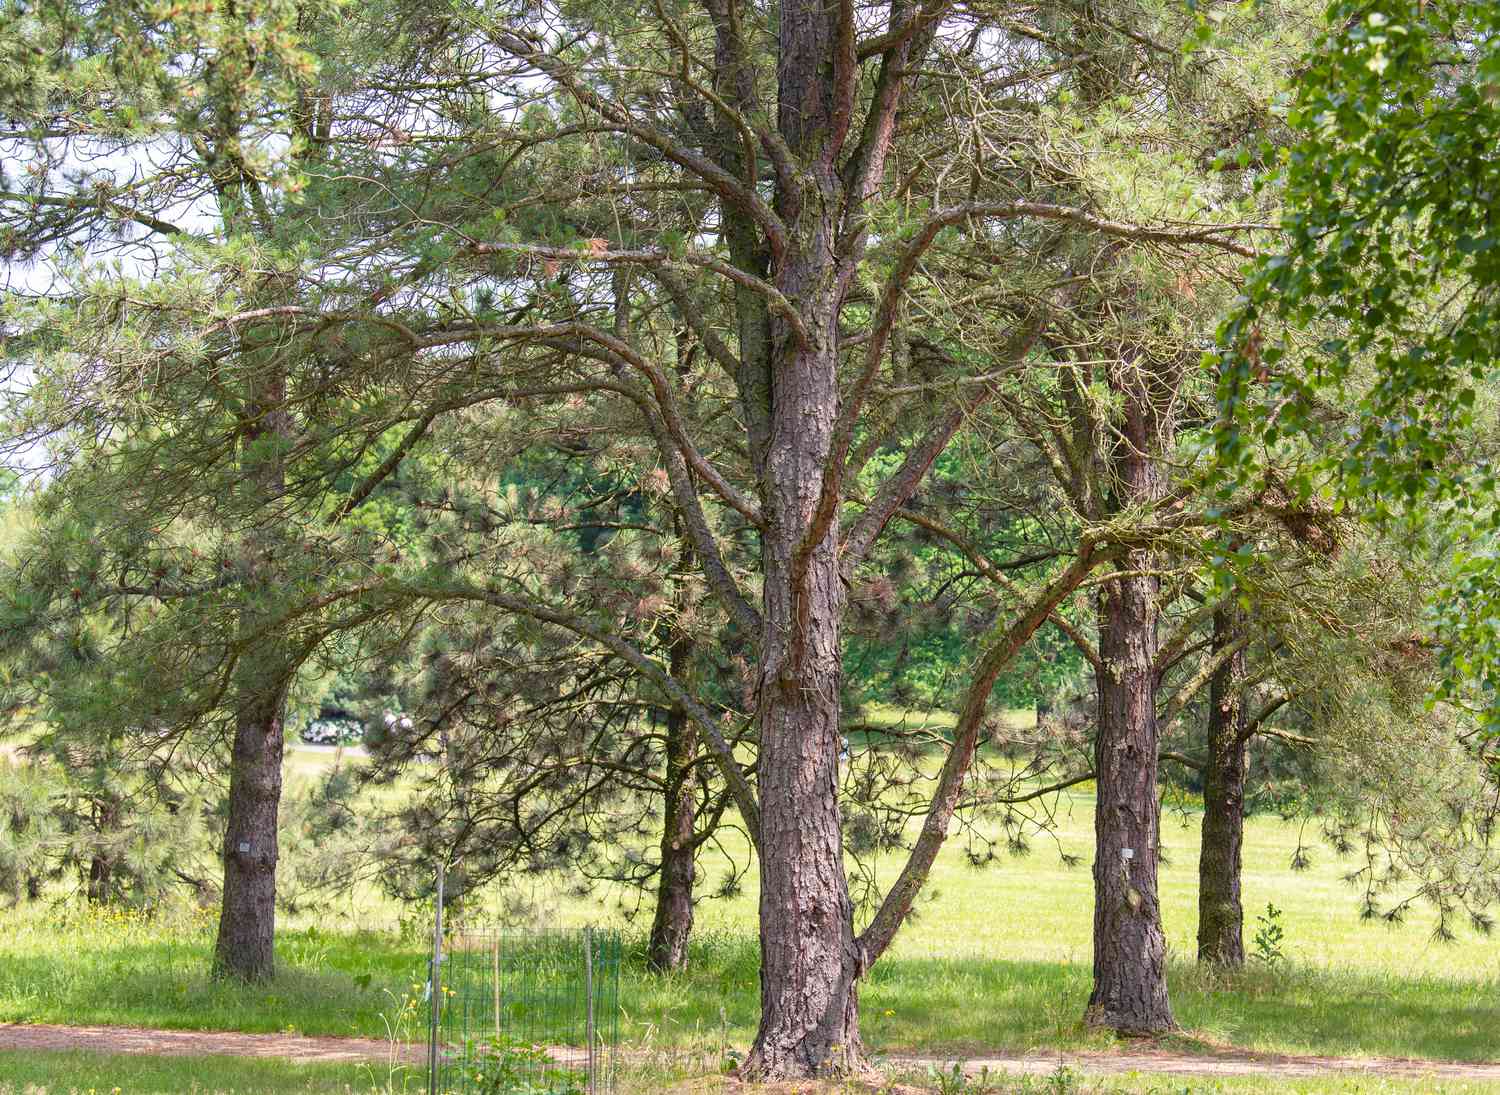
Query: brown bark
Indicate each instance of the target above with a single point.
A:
(1221, 915)
(1130, 985)
(667, 949)
(99, 884)
(247, 919)
(809, 959)
(244, 947)
(810, 962)
(99, 888)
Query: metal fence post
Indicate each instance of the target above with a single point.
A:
(436, 983)
(588, 992)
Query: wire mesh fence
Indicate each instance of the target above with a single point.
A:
(525, 1013)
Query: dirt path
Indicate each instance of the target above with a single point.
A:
(298, 1047)
(199, 1043)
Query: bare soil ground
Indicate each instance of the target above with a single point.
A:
(199, 1043)
(298, 1047)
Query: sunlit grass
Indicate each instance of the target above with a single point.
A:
(46, 1072)
(88, 1073)
(997, 958)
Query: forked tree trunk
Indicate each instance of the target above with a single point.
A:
(1221, 915)
(788, 382)
(245, 947)
(673, 923)
(1130, 950)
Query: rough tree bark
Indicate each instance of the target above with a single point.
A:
(810, 962)
(1221, 916)
(1130, 985)
(245, 946)
(672, 926)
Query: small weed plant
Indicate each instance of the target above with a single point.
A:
(954, 1080)
(1268, 939)
(509, 1066)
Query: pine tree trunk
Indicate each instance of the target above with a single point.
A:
(810, 962)
(245, 947)
(1130, 951)
(673, 924)
(98, 888)
(1221, 915)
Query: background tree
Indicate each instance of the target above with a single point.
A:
(1390, 243)
(167, 393)
(788, 216)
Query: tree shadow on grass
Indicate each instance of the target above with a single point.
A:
(328, 986)
(958, 1006)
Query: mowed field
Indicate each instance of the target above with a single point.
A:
(997, 959)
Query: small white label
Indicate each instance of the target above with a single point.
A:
(1127, 853)
(244, 848)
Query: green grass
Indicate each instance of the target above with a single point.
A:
(87, 1073)
(966, 1006)
(1156, 1083)
(998, 958)
(356, 983)
(114, 968)
(56, 1073)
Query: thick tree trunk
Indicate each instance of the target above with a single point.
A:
(1221, 915)
(247, 919)
(673, 924)
(810, 962)
(1130, 950)
(245, 947)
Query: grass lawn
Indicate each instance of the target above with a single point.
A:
(998, 958)
(1152, 1083)
(86, 1073)
(1155, 1083)
(57, 1073)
